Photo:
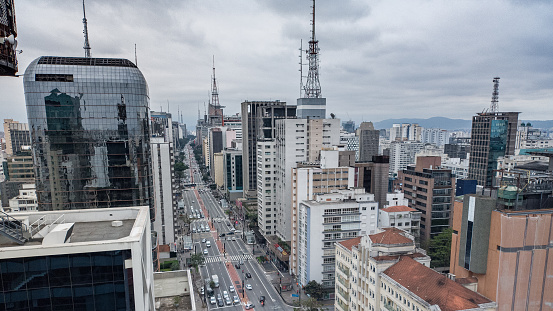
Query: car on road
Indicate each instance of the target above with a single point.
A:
(236, 300)
(202, 291)
(193, 229)
(231, 289)
(228, 301)
(225, 294)
(203, 240)
(206, 252)
(237, 265)
(221, 235)
(248, 275)
(249, 305)
(249, 286)
(262, 300)
(220, 302)
(212, 300)
(234, 238)
(208, 243)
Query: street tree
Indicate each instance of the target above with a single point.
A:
(197, 260)
(314, 289)
(440, 249)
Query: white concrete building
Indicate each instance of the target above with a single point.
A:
(266, 193)
(402, 217)
(70, 259)
(326, 220)
(459, 167)
(163, 177)
(26, 201)
(403, 154)
(351, 142)
(307, 182)
(298, 140)
(405, 132)
(435, 136)
(396, 198)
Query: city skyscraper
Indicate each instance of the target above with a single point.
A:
(368, 141)
(16, 135)
(90, 133)
(8, 42)
(493, 135)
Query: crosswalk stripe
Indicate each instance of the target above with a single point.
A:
(220, 258)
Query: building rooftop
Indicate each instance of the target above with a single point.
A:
(399, 208)
(45, 229)
(391, 236)
(433, 287)
(85, 61)
(351, 242)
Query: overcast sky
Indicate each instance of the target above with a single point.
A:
(380, 59)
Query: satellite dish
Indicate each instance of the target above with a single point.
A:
(11, 39)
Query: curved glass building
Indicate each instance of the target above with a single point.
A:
(88, 119)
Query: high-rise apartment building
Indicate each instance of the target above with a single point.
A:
(430, 190)
(258, 124)
(266, 184)
(403, 154)
(434, 136)
(163, 177)
(298, 140)
(232, 173)
(373, 177)
(16, 135)
(327, 220)
(368, 141)
(309, 181)
(405, 132)
(90, 132)
(493, 135)
(505, 252)
(349, 126)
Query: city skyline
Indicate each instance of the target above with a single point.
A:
(377, 58)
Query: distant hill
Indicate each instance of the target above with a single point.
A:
(451, 124)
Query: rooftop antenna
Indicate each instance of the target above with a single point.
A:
(301, 66)
(313, 86)
(85, 31)
(167, 106)
(494, 107)
(214, 91)
(135, 59)
(199, 115)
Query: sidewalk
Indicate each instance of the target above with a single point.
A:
(290, 297)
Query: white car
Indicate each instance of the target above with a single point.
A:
(208, 243)
(249, 305)
(231, 289)
(212, 300)
(249, 286)
(206, 252)
(225, 294)
(236, 300)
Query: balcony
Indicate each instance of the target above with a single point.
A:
(344, 270)
(342, 305)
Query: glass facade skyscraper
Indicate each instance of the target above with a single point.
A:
(88, 119)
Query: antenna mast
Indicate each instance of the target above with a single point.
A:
(301, 66)
(86, 46)
(214, 91)
(494, 107)
(313, 86)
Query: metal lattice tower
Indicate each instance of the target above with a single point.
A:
(494, 107)
(313, 86)
(86, 46)
(214, 91)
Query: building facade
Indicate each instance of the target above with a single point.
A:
(402, 154)
(80, 260)
(90, 132)
(258, 123)
(373, 177)
(266, 192)
(332, 217)
(368, 141)
(493, 135)
(16, 135)
(434, 136)
(504, 252)
(309, 181)
(430, 190)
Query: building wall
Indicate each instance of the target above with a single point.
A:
(373, 177)
(306, 183)
(16, 135)
(94, 157)
(518, 265)
(266, 194)
(218, 169)
(164, 188)
(368, 141)
(430, 191)
(403, 154)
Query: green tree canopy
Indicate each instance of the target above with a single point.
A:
(440, 249)
(314, 289)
